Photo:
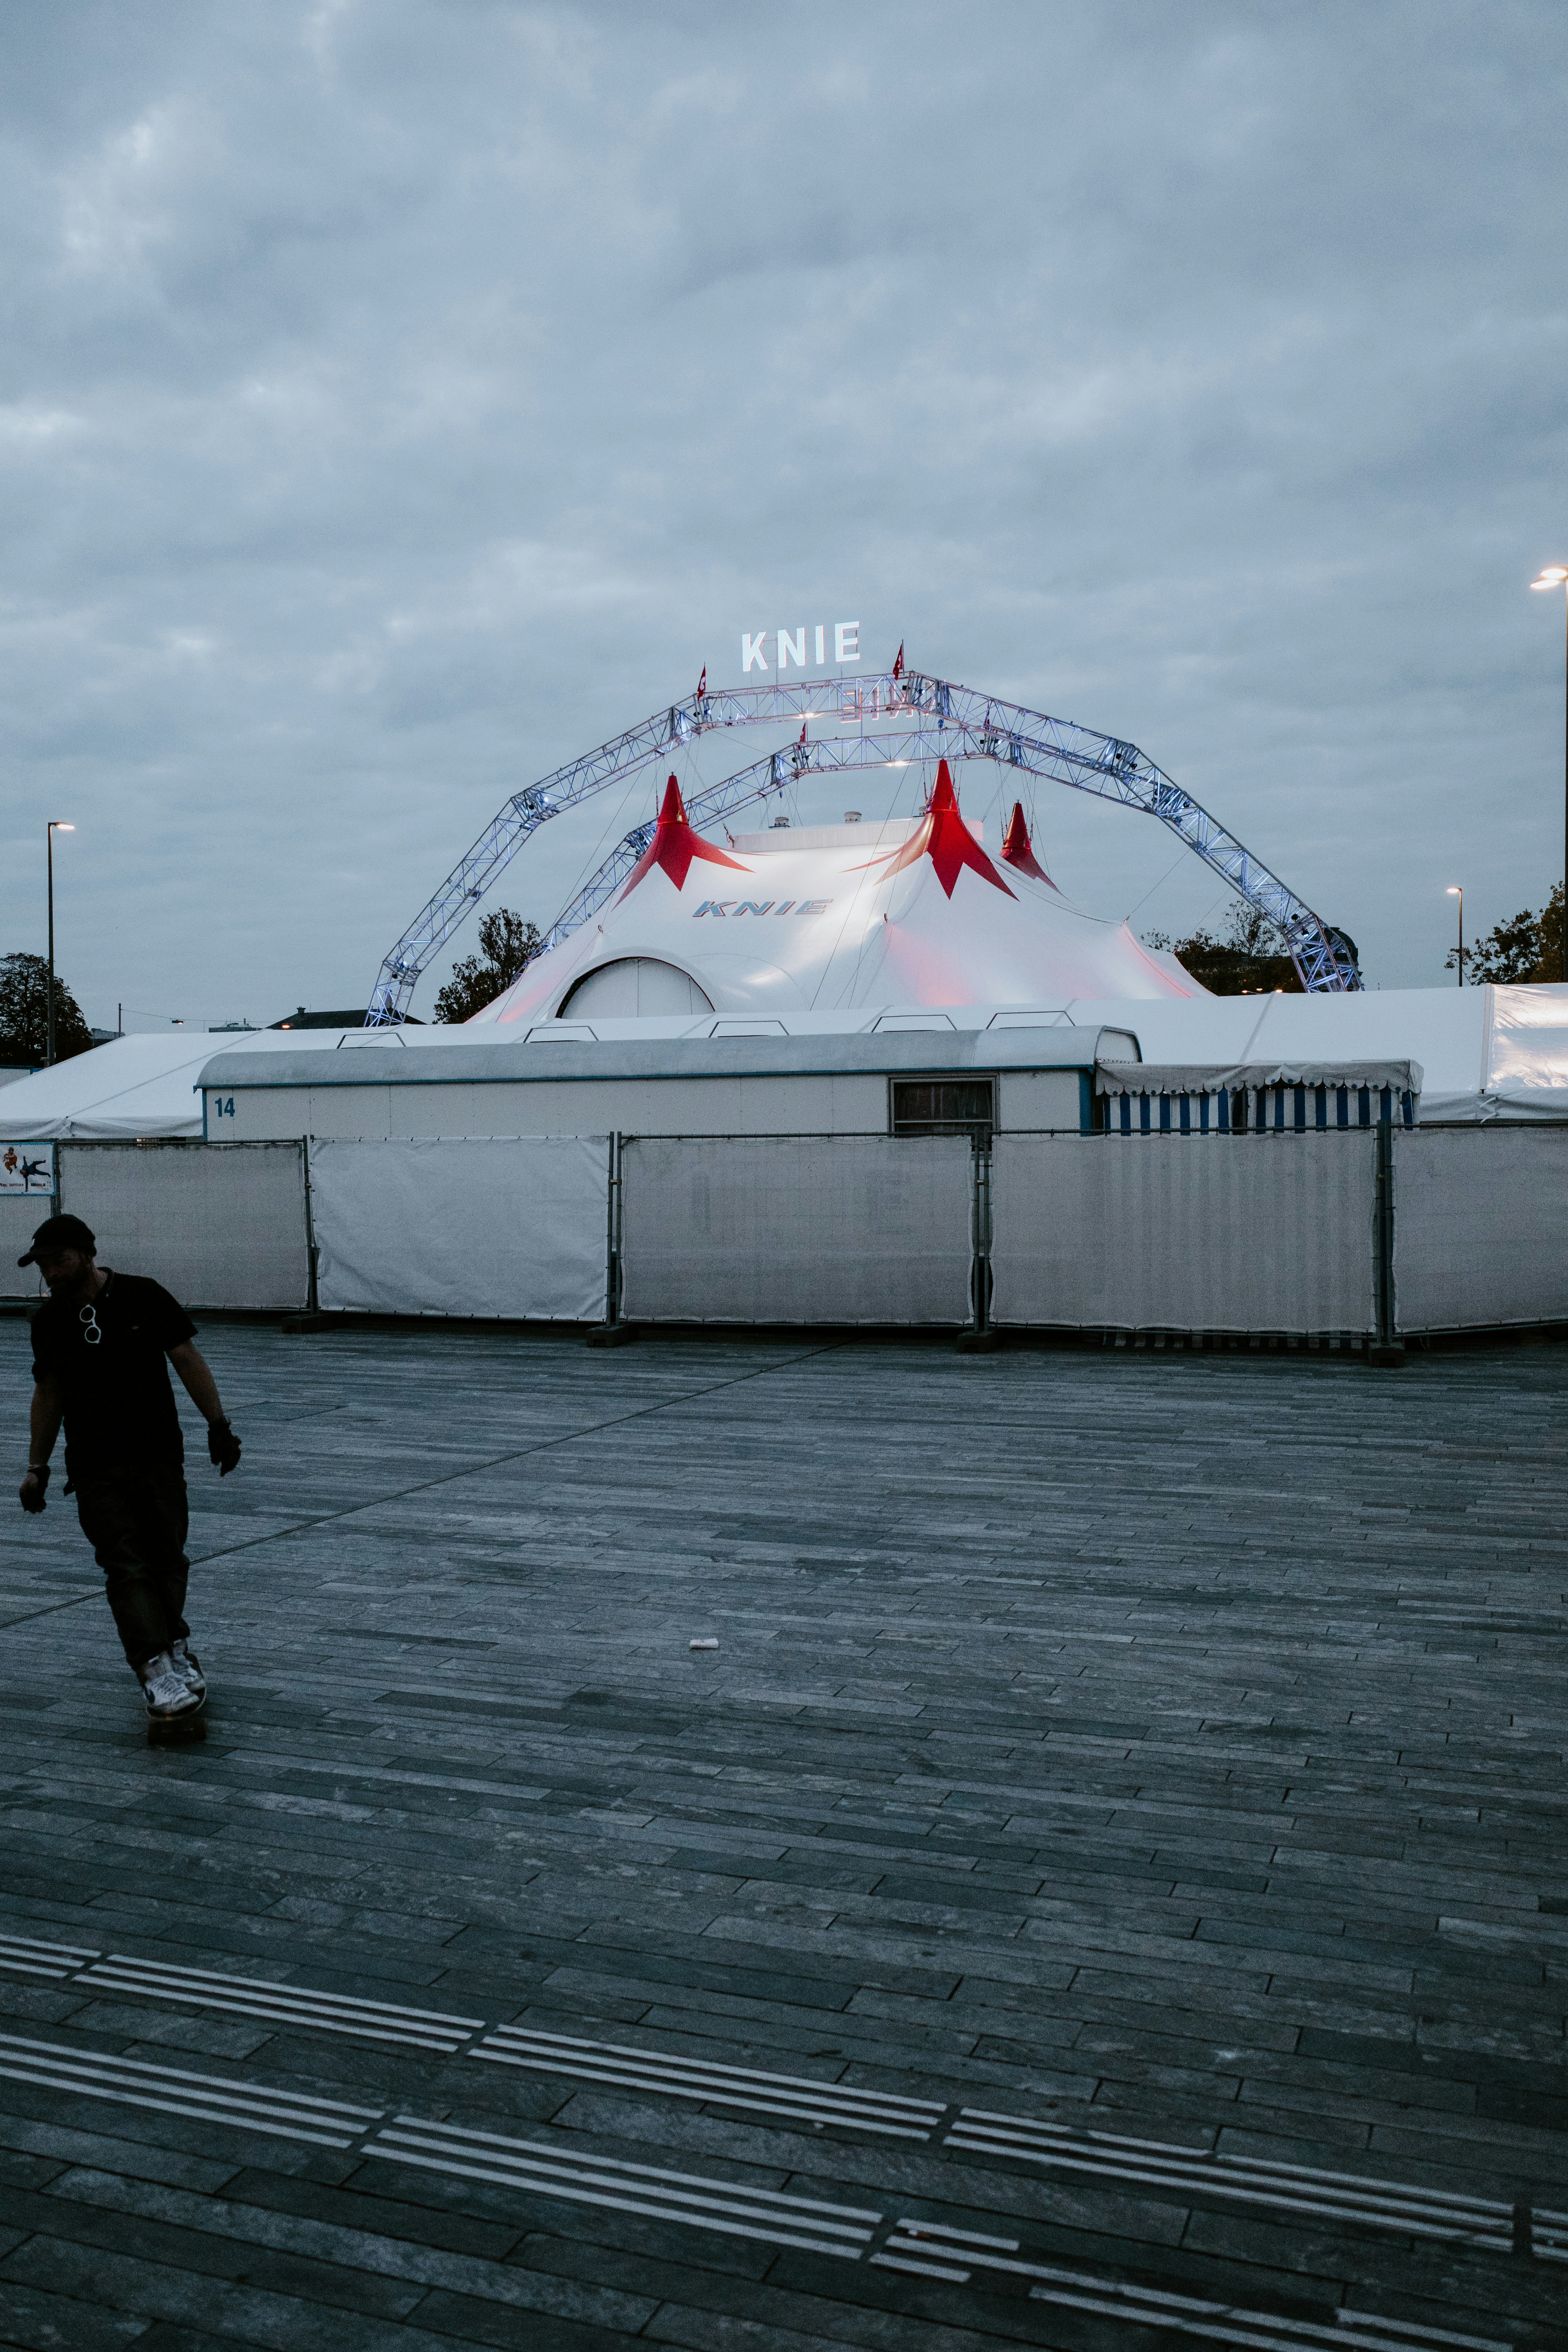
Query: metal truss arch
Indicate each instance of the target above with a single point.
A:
(916, 717)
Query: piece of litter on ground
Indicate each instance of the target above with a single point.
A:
(708, 1645)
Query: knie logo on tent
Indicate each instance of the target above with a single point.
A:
(790, 645)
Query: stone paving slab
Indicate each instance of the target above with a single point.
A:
(1161, 1747)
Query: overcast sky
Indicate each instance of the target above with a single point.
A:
(398, 397)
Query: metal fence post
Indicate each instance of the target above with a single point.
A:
(611, 1332)
(1387, 1352)
(981, 1338)
(312, 1295)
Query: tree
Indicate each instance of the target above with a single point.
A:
(1528, 946)
(1252, 962)
(509, 944)
(25, 1013)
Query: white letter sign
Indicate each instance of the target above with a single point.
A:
(847, 641)
(751, 651)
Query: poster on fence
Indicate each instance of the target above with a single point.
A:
(26, 1168)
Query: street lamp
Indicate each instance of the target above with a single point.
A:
(1455, 891)
(57, 824)
(1554, 575)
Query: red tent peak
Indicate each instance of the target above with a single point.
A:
(1018, 851)
(943, 798)
(675, 846)
(949, 841)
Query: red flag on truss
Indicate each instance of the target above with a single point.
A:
(702, 683)
(899, 660)
(802, 733)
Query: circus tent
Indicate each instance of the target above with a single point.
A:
(834, 918)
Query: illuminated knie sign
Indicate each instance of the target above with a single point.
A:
(790, 645)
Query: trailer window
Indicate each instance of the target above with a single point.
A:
(943, 1106)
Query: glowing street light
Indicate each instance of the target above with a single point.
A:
(1555, 575)
(1456, 891)
(57, 824)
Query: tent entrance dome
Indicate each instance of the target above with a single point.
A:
(634, 985)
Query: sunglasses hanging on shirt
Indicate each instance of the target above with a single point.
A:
(93, 1332)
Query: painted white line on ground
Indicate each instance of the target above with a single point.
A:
(796, 2097)
(170, 2090)
(652, 2190)
(283, 2003)
(27, 1957)
(1405, 2208)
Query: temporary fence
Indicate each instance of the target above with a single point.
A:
(798, 1229)
(1364, 1233)
(1177, 1236)
(479, 1225)
(1480, 1227)
(220, 1228)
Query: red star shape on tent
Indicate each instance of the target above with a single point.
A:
(674, 846)
(1016, 849)
(947, 838)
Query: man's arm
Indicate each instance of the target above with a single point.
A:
(43, 1428)
(196, 1378)
(195, 1374)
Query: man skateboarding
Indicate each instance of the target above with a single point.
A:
(99, 1350)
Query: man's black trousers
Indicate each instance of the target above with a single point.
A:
(135, 1515)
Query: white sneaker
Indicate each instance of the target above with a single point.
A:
(188, 1666)
(166, 1691)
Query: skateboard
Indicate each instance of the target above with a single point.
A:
(176, 1731)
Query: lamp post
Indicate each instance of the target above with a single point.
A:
(57, 824)
(1555, 575)
(1455, 891)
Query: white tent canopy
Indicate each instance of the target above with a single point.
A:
(141, 1085)
(1485, 1053)
(831, 919)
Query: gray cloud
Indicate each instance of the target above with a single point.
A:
(399, 397)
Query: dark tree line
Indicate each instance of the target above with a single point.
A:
(507, 944)
(24, 1017)
(1528, 946)
(1251, 961)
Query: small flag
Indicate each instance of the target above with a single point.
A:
(899, 660)
(802, 735)
(702, 683)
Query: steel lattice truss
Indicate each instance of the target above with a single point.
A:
(927, 718)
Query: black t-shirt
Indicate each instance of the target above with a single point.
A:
(119, 1405)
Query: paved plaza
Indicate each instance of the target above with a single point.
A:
(1107, 1887)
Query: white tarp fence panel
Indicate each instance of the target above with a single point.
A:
(1171, 1233)
(219, 1227)
(798, 1229)
(510, 1226)
(1480, 1227)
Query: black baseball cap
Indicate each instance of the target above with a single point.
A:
(61, 1234)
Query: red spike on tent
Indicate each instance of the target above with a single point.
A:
(948, 839)
(674, 846)
(1016, 849)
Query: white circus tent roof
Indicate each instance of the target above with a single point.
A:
(834, 918)
(146, 1086)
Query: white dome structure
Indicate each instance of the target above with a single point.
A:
(832, 919)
